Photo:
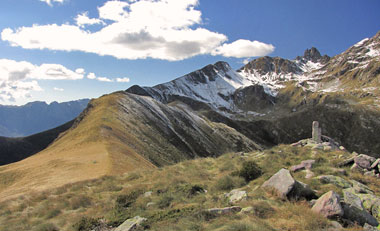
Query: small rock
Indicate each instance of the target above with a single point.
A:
(347, 162)
(306, 164)
(247, 210)
(328, 205)
(318, 147)
(148, 194)
(236, 196)
(131, 224)
(342, 148)
(364, 161)
(222, 211)
(335, 180)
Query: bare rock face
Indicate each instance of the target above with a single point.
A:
(328, 205)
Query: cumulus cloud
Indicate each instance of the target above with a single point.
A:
(58, 89)
(50, 2)
(243, 49)
(122, 80)
(101, 79)
(19, 79)
(137, 29)
(82, 20)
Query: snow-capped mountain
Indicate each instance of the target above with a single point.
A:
(222, 88)
(218, 84)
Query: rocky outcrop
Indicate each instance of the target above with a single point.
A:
(335, 180)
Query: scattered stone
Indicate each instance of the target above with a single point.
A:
(318, 147)
(306, 164)
(364, 161)
(335, 180)
(148, 194)
(342, 148)
(131, 224)
(223, 211)
(327, 148)
(249, 209)
(328, 205)
(236, 196)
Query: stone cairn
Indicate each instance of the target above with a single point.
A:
(317, 133)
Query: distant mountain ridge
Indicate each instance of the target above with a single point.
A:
(35, 117)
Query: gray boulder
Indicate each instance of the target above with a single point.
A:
(328, 205)
(131, 224)
(360, 216)
(285, 187)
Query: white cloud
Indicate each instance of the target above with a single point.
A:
(101, 79)
(50, 2)
(104, 79)
(122, 80)
(243, 49)
(82, 20)
(91, 76)
(58, 89)
(19, 79)
(137, 29)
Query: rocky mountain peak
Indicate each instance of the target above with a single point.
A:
(314, 56)
(267, 64)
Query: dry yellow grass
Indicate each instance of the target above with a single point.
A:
(87, 151)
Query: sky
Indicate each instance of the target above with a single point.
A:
(62, 50)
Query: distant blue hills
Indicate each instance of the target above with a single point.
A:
(35, 117)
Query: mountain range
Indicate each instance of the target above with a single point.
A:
(212, 111)
(35, 117)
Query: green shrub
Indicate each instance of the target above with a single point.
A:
(86, 224)
(250, 171)
(229, 182)
(126, 200)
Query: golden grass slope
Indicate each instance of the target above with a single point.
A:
(120, 133)
(86, 151)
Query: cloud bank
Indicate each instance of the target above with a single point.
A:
(137, 29)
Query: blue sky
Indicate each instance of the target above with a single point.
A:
(60, 50)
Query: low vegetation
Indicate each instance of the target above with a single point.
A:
(177, 197)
